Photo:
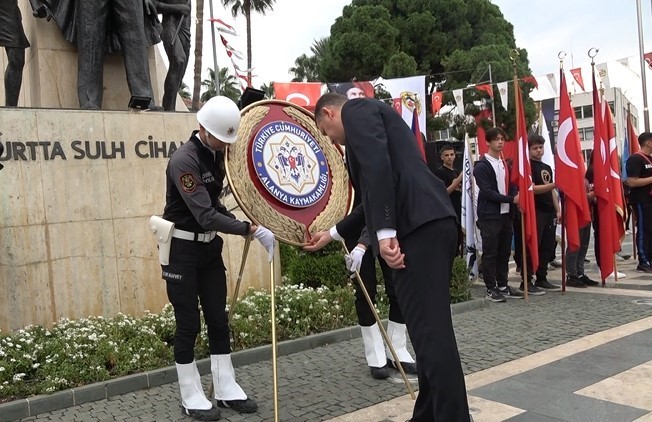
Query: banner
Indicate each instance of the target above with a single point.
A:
(407, 94)
(303, 94)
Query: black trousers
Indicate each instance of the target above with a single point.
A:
(93, 20)
(370, 281)
(422, 292)
(196, 274)
(643, 232)
(496, 237)
(546, 244)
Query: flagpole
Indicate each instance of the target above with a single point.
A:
(646, 117)
(493, 100)
(524, 258)
(562, 202)
(215, 69)
(632, 218)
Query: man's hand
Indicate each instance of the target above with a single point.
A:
(318, 241)
(150, 9)
(43, 12)
(266, 238)
(390, 251)
(516, 199)
(354, 258)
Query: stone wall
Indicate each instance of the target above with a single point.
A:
(74, 239)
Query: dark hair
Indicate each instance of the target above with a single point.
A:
(493, 133)
(330, 99)
(446, 147)
(535, 139)
(644, 137)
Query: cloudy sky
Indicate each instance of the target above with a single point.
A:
(543, 27)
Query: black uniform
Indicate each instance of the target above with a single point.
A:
(640, 165)
(447, 176)
(546, 215)
(195, 178)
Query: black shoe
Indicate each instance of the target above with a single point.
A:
(511, 293)
(546, 285)
(241, 406)
(495, 295)
(379, 373)
(644, 268)
(211, 414)
(573, 281)
(408, 367)
(586, 280)
(532, 289)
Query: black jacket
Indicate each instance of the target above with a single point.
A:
(489, 198)
(397, 188)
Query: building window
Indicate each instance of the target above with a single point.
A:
(587, 111)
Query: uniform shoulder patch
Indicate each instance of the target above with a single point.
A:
(188, 183)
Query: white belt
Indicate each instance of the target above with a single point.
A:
(206, 237)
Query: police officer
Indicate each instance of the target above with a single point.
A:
(196, 273)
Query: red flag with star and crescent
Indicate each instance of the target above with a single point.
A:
(616, 186)
(525, 184)
(570, 170)
(602, 188)
(435, 101)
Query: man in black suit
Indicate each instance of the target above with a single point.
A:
(412, 225)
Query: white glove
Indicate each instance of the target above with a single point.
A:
(266, 238)
(354, 259)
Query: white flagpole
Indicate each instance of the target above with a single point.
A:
(646, 117)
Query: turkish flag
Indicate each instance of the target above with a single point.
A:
(417, 133)
(577, 75)
(531, 80)
(435, 101)
(304, 94)
(570, 170)
(525, 184)
(632, 137)
(485, 88)
(617, 194)
(481, 138)
(398, 105)
(602, 188)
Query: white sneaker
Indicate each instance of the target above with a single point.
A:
(620, 275)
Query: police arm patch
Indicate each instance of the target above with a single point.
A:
(188, 183)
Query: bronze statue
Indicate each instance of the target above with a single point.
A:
(13, 39)
(98, 27)
(176, 40)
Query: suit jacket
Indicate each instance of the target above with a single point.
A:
(397, 189)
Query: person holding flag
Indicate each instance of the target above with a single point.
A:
(639, 179)
(495, 217)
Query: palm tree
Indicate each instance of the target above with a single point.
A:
(199, 45)
(305, 69)
(229, 86)
(183, 91)
(268, 89)
(319, 47)
(245, 7)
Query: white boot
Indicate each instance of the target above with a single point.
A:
(226, 388)
(192, 393)
(396, 335)
(373, 346)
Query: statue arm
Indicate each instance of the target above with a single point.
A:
(41, 9)
(172, 9)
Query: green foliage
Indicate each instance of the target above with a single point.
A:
(226, 81)
(315, 269)
(399, 65)
(460, 283)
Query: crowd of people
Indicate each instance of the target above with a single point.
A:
(498, 218)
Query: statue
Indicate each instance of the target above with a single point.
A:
(176, 40)
(13, 39)
(98, 27)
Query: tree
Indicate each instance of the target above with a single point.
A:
(183, 91)
(453, 41)
(304, 69)
(245, 7)
(229, 86)
(199, 45)
(268, 89)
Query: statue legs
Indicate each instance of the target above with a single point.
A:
(178, 57)
(91, 28)
(14, 74)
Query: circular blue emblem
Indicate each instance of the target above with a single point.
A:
(290, 164)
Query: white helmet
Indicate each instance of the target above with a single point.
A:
(221, 118)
